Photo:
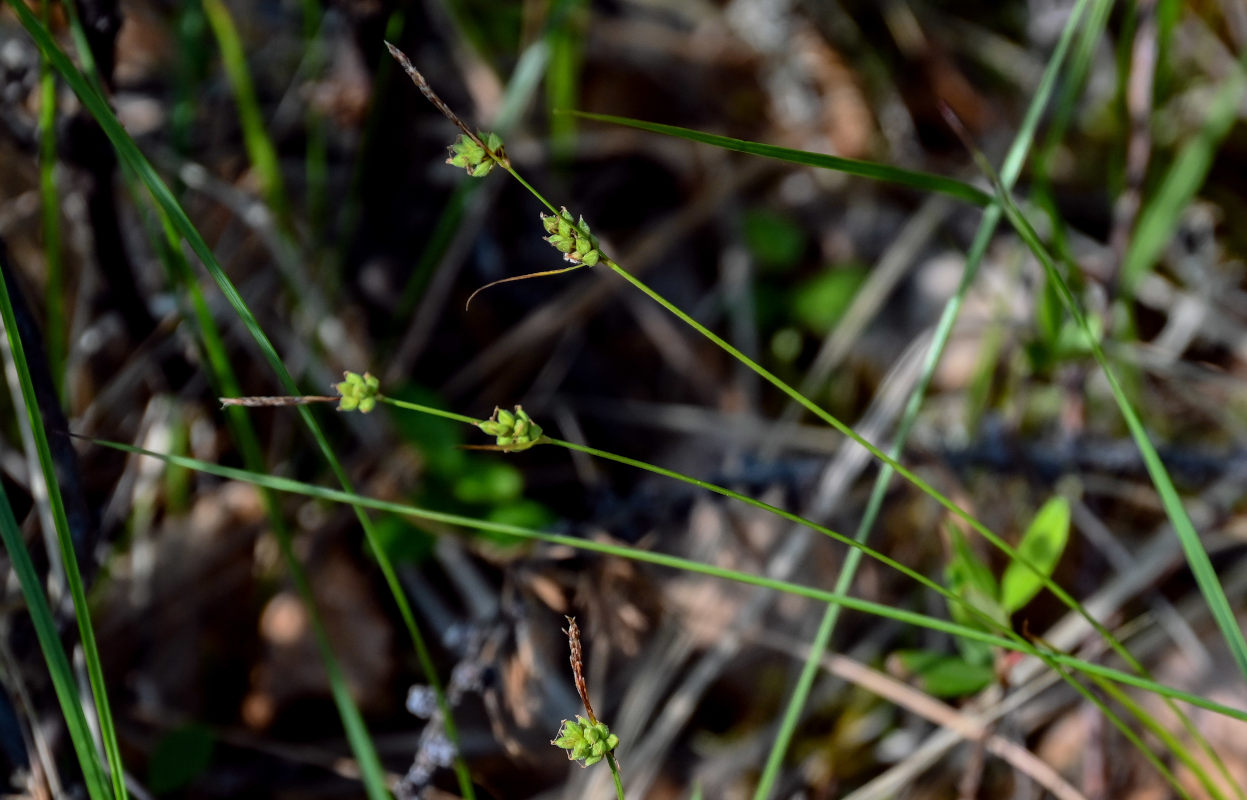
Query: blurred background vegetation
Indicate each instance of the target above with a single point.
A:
(314, 170)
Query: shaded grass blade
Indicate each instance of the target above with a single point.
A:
(64, 540)
(59, 670)
(922, 181)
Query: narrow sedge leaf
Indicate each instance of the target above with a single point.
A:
(1042, 544)
(923, 181)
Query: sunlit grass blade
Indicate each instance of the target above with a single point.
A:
(1196, 556)
(567, 40)
(59, 670)
(128, 152)
(521, 533)
(259, 145)
(922, 181)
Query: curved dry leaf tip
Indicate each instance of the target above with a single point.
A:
(519, 278)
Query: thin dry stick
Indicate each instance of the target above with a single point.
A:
(275, 402)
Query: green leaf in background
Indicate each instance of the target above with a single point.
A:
(940, 674)
(488, 482)
(181, 756)
(437, 439)
(820, 302)
(776, 242)
(1042, 544)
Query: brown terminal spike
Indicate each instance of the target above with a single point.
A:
(440, 105)
(578, 666)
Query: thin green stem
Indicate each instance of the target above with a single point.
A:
(540, 197)
(615, 776)
(437, 412)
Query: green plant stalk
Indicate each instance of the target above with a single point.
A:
(1196, 556)
(987, 534)
(907, 474)
(614, 765)
(59, 670)
(943, 332)
(885, 173)
(259, 145)
(129, 154)
(73, 576)
(520, 533)
(54, 291)
(858, 549)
